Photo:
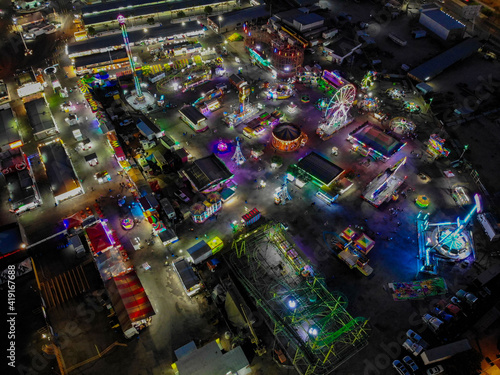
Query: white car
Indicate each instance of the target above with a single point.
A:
(435, 370)
(413, 347)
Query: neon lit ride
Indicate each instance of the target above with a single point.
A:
(337, 111)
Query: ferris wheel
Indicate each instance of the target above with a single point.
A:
(336, 114)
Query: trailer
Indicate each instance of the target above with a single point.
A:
(329, 34)
(445, 351)
(397, 40)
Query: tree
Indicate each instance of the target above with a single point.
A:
(151, 20)
(208, 10)
(91, 31)
(181, 14)
(278, 160)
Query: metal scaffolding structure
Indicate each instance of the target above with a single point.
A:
(274, 51)
(310, 323)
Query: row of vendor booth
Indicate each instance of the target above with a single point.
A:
(129, 301)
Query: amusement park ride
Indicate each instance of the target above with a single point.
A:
(384, 186)
(281, 195)
(446, 240)
(141, 100)
(238, 157)
(337, 111)
(245, 110)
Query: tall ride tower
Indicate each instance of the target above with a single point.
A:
(138, 90)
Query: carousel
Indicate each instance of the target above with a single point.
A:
(369, 104)
(395, 94)
(402, 126)
(288, 137)
(411, 107)
(280, 91)
(200, 212)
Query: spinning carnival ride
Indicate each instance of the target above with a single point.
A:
(337, 112)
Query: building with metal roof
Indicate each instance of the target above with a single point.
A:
(23, 193)
(115, 41)
(442, 24)
(435, 66)
(135, 10)
(101, 60)
(40, 118)
(62, 177)
(308, 21)
(207, 174)
(9, 134)
(194, 118)
(12, 239)
(237, 18)
(209, 359)
(320, 168)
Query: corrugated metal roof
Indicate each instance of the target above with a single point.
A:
(319, 167)
(241, 16)
(135, 37)
(443, 19)
(431, 68)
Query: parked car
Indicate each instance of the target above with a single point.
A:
(183, 197)
(413, 347)
(415, 337)
(441, 314)
(411, 363)
(467, 297)
(400, 368)
(433, 322)
(435, 370)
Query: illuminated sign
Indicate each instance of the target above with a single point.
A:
(16, 144)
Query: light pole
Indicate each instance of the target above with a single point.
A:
(220, 19)
(27, 51)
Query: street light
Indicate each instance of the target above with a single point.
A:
(27, 51)
(220, 19)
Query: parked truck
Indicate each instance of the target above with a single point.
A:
(419, 33)
(445, 351)
(329, 34)
(396, 39)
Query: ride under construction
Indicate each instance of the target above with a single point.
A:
(310, 324)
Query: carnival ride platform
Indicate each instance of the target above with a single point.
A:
(310, 323)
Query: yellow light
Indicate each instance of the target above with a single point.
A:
(16, 144)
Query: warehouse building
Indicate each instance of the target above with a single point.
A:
(140, 10)
(9, 134)
(441, 24)
(435, 66)
(112, 42)
(40, 119)
(233, 20)
(62, 177)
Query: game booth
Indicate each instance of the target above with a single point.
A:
(374, 142)
(130, 302)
